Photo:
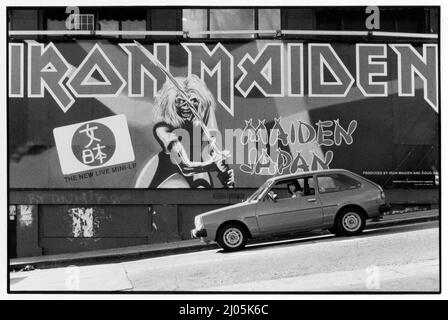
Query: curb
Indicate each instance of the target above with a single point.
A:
(397, 222)
(127, 256)
(117, 257)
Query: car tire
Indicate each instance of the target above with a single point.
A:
(232, 237)
(350, 222)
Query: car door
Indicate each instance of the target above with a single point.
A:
(288, 213)
(334, 190)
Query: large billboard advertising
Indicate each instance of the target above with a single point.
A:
(101, 114)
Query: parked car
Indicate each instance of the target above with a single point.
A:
(335, 199)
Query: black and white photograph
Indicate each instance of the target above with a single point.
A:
(223, 149)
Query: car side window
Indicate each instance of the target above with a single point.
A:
(293, 188)
(336, 182)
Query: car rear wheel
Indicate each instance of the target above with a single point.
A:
(350, 222)
(232, 237)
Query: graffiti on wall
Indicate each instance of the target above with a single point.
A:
(26, 215)
(83, 222)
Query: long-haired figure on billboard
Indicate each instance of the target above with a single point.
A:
(175, 166)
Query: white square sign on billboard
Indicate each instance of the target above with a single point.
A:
(94, 144)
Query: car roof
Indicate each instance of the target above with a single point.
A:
(307, 173)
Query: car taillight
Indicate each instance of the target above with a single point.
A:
(198, 223)
(382, 195)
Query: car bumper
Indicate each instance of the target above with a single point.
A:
(384, 208)
(198, 233)
(378, 214)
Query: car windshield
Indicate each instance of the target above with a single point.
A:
(260, 190)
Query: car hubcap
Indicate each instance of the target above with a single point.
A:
(233, 237)
(351, 221)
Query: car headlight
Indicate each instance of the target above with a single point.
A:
(198, 224)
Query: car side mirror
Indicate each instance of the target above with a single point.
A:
(273, 196)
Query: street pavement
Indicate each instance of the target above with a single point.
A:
(396, 258)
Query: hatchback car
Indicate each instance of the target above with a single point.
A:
(335, 199)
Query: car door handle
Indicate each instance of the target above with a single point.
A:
(311, 200)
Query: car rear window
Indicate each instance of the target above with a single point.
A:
(336, 182)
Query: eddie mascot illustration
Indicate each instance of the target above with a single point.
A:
(184, 103)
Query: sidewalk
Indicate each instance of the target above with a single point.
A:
(184, 246)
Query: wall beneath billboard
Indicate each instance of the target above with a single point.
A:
(55, 229)
(65, 221)
(98, 114)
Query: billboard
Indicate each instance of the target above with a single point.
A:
(100, 114)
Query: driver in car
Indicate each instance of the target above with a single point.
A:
(295, 189)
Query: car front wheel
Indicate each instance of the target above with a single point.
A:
(350, 222)
(232, 237)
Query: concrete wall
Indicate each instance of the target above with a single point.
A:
(62, 221)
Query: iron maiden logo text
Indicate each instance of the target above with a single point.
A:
(277, 70)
